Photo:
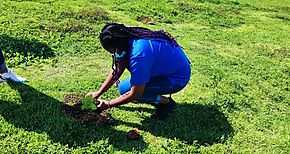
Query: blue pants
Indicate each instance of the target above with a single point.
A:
(156, 87)
(2, 61)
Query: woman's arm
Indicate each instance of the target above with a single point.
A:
(110, 81)
(135, 93)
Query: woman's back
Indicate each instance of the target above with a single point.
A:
(156, 57)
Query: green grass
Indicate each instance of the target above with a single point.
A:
(237, 100)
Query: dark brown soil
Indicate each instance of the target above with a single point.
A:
(134, 134)
(72, 108)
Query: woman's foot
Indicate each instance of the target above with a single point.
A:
(164, 109)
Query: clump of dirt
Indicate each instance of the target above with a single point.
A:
(146, 20)
(73, 108)
(134, 134)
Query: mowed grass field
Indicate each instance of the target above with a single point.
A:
(237, 100)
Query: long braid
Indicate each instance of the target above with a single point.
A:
(141, 32)
(118, 33)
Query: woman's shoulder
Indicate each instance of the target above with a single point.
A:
(140, 43)
(147, 41)
(140, 47)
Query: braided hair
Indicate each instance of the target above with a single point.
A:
(117, 36)
(114, 35)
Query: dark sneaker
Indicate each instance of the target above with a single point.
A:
(163, 110)
(172, 104)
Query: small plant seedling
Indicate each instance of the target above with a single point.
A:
(88, 103)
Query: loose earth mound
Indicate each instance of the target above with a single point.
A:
(72, 108)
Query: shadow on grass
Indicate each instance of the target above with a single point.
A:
(190, 123)
(41, 113)
(38, 112)
(25, 47)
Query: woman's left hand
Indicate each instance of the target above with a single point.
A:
(103, 105)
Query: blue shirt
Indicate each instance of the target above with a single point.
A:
(157, 57)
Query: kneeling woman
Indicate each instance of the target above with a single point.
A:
(156, 62)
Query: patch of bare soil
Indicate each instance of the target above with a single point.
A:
(72, 108)
(146, 20)
(134, 134)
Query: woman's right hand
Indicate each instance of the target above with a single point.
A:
(94, 94)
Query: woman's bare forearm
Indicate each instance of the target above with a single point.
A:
(110, 79)
(107, 84)
(135, 93)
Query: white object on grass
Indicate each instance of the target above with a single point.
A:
(13, 77)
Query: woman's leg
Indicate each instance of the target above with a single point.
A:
(154, 89)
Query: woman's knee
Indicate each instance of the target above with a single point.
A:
(124, 86)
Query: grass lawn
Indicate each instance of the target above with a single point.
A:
(237, 100)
